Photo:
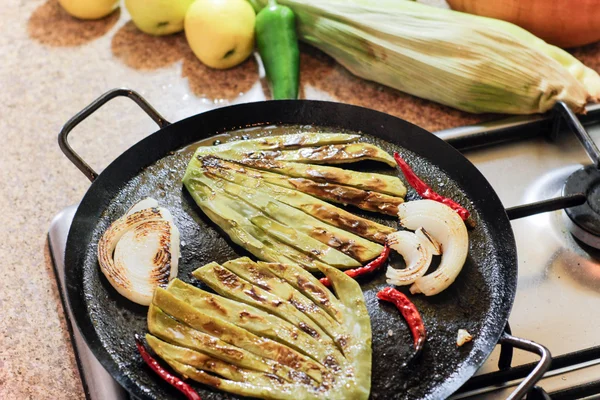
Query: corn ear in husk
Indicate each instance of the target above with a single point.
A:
(472, 63)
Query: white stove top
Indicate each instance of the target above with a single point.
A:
(558, 291)
(558, 295)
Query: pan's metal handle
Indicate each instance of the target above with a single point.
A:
(564, 112)
(90, 109)
(540, 369)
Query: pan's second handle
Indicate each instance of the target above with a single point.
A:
(540, 369)
(86, 112)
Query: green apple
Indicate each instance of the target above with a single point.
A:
(220, 32)
(158, 17)
(89, 9)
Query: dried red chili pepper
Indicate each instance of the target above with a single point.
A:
(179, 384)
(370, 267)
(427, 192)
(409, 312)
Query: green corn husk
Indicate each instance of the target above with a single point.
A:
(472, 63)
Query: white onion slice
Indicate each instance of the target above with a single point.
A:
(447, 228)
(434, 246)
(140, 251)
(416, 254)
(148, 202)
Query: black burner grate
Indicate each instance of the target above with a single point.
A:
(585, 217)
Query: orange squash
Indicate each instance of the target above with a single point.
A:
(564, 23)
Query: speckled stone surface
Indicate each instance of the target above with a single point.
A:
(51, 67)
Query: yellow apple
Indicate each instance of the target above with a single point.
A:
(158, 17)
(89, 9)
(220, 32)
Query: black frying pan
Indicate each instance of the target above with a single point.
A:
(479, 301)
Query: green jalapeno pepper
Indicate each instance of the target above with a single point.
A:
(278, 47)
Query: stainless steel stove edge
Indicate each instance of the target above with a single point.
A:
(97, 382)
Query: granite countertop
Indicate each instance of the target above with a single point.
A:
(52, 66)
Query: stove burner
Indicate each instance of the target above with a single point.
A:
(585, 218)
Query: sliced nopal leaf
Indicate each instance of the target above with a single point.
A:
(282, 188)
(297, 239)
(381, 183)
(235, 335)
(226, 283)
(328, 154)
(263, 278)
(304, 243)
(204, 362)
(346, 242)
(170, 330)
(336, 193)
(209, 344)
(363, 199)
(363, 180)
(280, 142)
(310, 286)
(200, 361)
(223, 211)
(254, 320)
(357, 348)
(344, 220)
(278, 391)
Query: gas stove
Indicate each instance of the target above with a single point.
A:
(540, 168)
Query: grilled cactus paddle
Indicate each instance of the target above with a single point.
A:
(204, 362)
(308, 285)
(279, 142)
(347, 243)
(254, 320)
(264, 181)
(221, 209)
(362, 180)
(203, 341)
(278, 390)
(262, 277)
(271, 208)
(226, 283)
(273, 225)
(235, 335)
(381, 183)
(330, 154)
(173, 331)
(357, 345)
(363, 199)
